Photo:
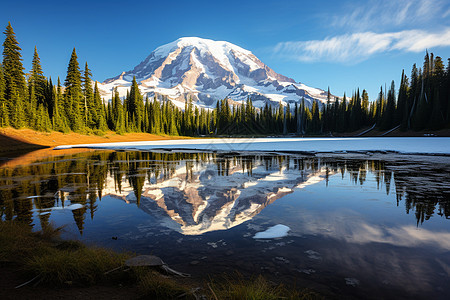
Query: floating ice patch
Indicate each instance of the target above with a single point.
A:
(48, 210)
(281, 259)
(70, 207)
(276, 231)
(212, 244)
(313, 254)
(351, 281)
(307, 271)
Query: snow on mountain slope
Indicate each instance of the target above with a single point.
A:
(206, 71)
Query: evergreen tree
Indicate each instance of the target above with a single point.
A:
(156, 117)
(43, 120)
(37, 79)
(98, 109)
(135, 106)
(31, 108)
(119, 124)
(14, 77)
(315, 122)
(89, 109)
(49, 97)
(437, 119)
(17, 110)
(413, 95)
(402, 103)
(421, 113)
(60, 120)
(365, 108)
(388, 117)
(4, 107)
(73, 94)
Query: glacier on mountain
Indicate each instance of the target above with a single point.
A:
(207, 71)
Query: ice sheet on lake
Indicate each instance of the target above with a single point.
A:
(70, 207)
(276, 231)
(435, 145)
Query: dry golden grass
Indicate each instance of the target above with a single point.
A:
(257, 288)
(22, 139)
(55, 262)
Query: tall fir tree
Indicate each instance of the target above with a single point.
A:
(37, 79)
(15, 85)
(99, 110)
(119, 124)
(135, 106)
(89, 108)
(4, 107)
(73, 94)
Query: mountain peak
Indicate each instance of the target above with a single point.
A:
(207, 71)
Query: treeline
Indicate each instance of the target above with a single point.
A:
(34, 101)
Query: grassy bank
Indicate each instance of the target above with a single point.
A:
(26, 139)
(68, 268)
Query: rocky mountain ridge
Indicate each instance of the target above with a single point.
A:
(207, 71)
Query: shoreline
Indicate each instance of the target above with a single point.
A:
(22, 140)
(23, 146)
(12, 140)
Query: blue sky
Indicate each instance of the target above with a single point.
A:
(341, 44)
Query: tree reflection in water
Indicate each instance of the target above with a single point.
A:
(85, 177)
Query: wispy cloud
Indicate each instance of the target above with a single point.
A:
(376, 14)
(357, 47)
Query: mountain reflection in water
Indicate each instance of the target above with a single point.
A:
(194, 193)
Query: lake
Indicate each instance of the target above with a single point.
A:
(365, 225)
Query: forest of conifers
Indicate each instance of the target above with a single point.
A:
(34, 101)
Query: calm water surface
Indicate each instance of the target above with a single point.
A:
(368, 227)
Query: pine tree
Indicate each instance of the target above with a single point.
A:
(4, 107)
(17, 110)
(49, 97)
(388, 117)
(60, 120)
(98, 109)
(73, 94)
(437, 119)
(135, 106)
(31, 108)
(89, 109)
(156, 117)
(119, 113)
(43, 120)
(365, 107)
(37, 78)
(413, 96)
(15, 85)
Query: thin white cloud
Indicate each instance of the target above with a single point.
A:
(446, 13)
(357, 47)
(344, 225)
(376, 14)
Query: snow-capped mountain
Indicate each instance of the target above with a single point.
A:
(206, 71)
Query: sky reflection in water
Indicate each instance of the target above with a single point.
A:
(382, 223)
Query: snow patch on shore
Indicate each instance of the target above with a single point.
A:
(411, 145)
